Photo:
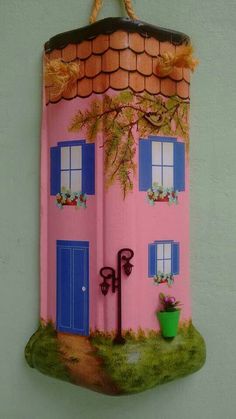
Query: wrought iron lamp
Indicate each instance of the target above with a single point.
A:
(108, 273)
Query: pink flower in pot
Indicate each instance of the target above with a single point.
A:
(169, 316)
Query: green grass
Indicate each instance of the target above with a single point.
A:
(43, 352)
(144, 362)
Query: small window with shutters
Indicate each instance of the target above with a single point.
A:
(72, 167)
(161, 161)
(163, 257)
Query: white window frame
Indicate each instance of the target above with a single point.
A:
(161, 162)
(164, 257)
(70, 168)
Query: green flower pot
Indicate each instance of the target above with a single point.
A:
(169, 321)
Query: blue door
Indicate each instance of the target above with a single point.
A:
(73, 287)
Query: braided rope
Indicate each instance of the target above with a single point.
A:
(97, 5)
(130, 10)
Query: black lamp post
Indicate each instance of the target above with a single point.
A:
(108, 273)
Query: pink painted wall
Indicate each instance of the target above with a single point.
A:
(109, 223)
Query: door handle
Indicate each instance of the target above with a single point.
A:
(83, 289)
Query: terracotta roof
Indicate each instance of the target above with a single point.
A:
(119, 60)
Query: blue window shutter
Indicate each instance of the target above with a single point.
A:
(88, 169)
(55, 176)
(145, 164)
(179, 166)
(152, 271)
(175, 258)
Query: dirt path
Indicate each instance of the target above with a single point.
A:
(84, 365)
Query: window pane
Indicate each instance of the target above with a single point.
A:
(156, 175)
(76, 157)
(76, 181)
(156, 152)
(168, 153)
(167, 265)
(160, 251)
(65, 157)
(65, 180)
(168, 178)
(160, 266)
(167, 250)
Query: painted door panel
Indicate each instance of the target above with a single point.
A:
(73, 287)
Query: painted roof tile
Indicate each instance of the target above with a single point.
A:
(152, 46)
(119, 79)
(136, 42)
(101, 83)
(71, 92)
(128, 60)
(166, 47)
(85, 87)
(56, 53)
(168, 87)
(81, 69)
(183, 89)
(136, 81)
(177, 74)
(100, 44)
(154, 65)
(110, 61)
(152, 84)
(93, 66)
(84, 50)
(119, 40)
(69, 53)
(186, 74)
(144, 64)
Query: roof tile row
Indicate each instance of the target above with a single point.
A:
(121, 80)
(118, 41)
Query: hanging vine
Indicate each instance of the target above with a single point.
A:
(120, 117)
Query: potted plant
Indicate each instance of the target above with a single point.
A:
(169, 316)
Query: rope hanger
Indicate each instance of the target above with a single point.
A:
(97, 5)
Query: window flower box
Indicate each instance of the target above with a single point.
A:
(159, 194)
(162, 278)
(67, 198)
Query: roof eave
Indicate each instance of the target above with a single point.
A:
(113, 24)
